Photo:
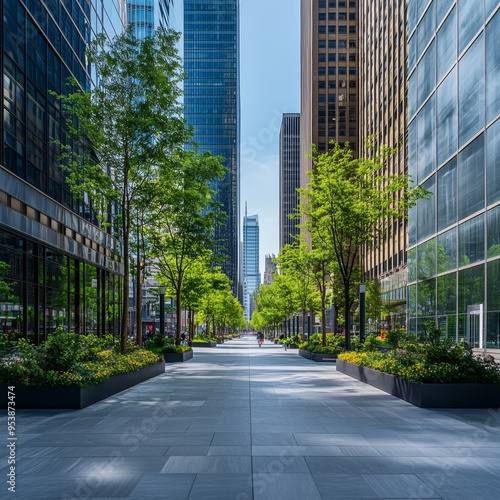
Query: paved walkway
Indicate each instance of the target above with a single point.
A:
(240, 422)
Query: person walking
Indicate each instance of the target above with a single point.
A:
(260, 338)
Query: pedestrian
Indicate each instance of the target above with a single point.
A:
(260, 338)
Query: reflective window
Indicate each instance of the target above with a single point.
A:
(412, 94)
(471, 179)
(426, 28)
(447, 251)
(447, 118)
(493, 231)
(412, 225)
(493, 162)
(447, 44)
(412, 151)
(426, 74)
(426, 298)
(447, 294)
(489, 7)
(442, 7)
(470, 18)
(471, 241)
(493, 269)
(492, 68)
(412, 264)
(426, 139)
(426, 211)
(470, 287)
(471, 91)
(447, 195)
(412, 52)
(426, 259)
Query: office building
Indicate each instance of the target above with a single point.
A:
(59, 266)
(147, 15)
(289, 177)
(329, 77)
(454, 152)
(211, 98)
(270, 267)
(251, 273)
(382, 94)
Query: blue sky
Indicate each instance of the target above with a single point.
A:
(269, 72)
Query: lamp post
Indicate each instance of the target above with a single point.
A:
(162, 310)
(362, 291)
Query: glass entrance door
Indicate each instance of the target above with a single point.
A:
(475, 326)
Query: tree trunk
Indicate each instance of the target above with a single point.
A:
(138, 300)
(347, 323)
(304, 324)
(178, 315)
(323, 319)
(126, 273)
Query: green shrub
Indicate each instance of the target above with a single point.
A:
(370, 343)
(70, 359)
(438, 362)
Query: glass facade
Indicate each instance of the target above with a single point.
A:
(453, 151)
(251, 274)
(289, 177)
(147, 15)
(58, 267)
(211, 98)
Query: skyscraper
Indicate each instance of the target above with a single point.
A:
(289, 176)
(211, 97)
(329, 79)
(269, 269)
(59, 266)
(251, 273)
(382, 94)
(147, 15)
(454, 152)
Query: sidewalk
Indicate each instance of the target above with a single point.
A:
(240, 422)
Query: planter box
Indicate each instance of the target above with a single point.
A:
(316, 356)
(72, 397)
(305, 353)
(323, 357)
(208, 343)
(177, 357)
(426, 395)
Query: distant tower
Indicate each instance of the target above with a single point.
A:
(289, 176)
(269, 270)
(251, 274)
(146, 15)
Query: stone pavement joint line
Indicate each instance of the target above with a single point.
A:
(240, 422)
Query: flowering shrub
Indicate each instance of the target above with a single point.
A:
(161, 345)
(334, 343)
(69, 359)
(438, 362)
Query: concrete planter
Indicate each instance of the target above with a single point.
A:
(178, 357)
(208, 343)
(318, 357)
(46, 397)
(426, 395)
(305, 353)
(323, 357)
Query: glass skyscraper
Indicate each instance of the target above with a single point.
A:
(211, 97)
(454, 152)
(147, 15)
(59, 266)
(251, 274)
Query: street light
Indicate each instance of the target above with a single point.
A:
(362, 291)
(162, 310)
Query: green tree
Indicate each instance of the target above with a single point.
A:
(295, 262)
(185, 219)
(125, 130)
(344, 206)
